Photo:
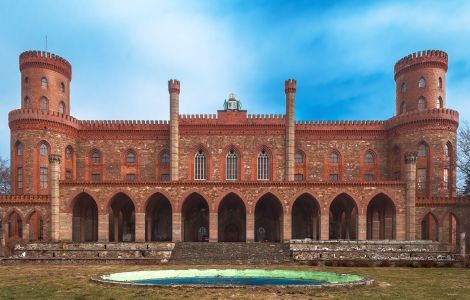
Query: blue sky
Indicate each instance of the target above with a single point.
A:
(341, 53)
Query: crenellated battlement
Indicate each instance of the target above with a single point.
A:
(24, 199)
(339, 122)
(429, 114)
(47, 60)
(174, 86)
(290, 86)
(435, 58)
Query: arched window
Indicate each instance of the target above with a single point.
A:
(403, 87)
(422, 150)
(165, 158)
(61, 107)
(263, 165)
(446, 150)
(299, 157)
(68, 153)
(439, 83)
(200, 165)
(27, 103)
(403, 107)
(96, 157)
(421, 103)
(369, 158)
(232, 165)
(26, 80)
(422, 83)
(131, 157)
(334, 157)
(19, 148)
(62, 87)
(43, 149)
(44, 83)
(439, 103)
(44, 103)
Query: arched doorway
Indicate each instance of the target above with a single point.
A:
(158, 218)
(15, 226)
(36, 227)
(232, 219)
(121, 219)
(195, 219)
(343, 218)
(429, 228)
(306, 218)
(85, 219)
(268, 219)
(381, 218)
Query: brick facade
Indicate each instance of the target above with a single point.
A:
(172, 180)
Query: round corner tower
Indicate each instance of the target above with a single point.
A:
(45, 82)
(421, 81)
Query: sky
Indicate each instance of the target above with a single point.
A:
(340, 52)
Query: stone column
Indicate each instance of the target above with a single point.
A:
(140, 227)
(462, 245)
(410, 197)
(213, 226)
(176, 227)
(174, 90)
(26, 232)
(103, 227)
(250, 227)
(325, 225)
(287, 227)
(290, 87)
(54, 169)
(362, 226)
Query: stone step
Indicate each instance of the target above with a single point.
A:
(99, 246)
(74, 254)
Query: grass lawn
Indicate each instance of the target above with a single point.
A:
(73, 282)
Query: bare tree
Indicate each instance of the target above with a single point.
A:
(463, 159)
(4, 177)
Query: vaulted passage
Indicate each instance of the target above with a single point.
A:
(343, 218)
(429, 228)
(158, 219)
(36, 227)
(121, 219)
(85, 219)
(381, 218)
(306, 218)
(232, 219)
(268, 219)
(195, 219)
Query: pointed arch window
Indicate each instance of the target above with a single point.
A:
(61, 107)
(447, 150)
(439, 83)
(62, 87)
(421, 103)
(200, 170)
(439, 103)
(19, 148)
(369, 158)
(131, 157)
(422, 150)
(43, 149)
(44, 103)
(68, 153)
(422, 83)
(165, 158)
(263, 165)
(232, 165)
(44, 82)
(299, 157)
(96, 157)
(403, 87)
(334, 157)
(403, 107)
(27, 102)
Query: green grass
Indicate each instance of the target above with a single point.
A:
(73, 282)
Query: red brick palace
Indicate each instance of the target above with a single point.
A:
(233, 176)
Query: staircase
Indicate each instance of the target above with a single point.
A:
(231, 253)
(372, 253)
(142, 253)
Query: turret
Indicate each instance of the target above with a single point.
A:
(420, 81)
(45, 82)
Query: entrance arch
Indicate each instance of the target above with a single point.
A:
(429, 228)
(121, 219)
(232, 219)
(268, 219)
(84, 219)
(381, 218)
(343, 218)
(158, 219)
(36, 227)
(306, 218)
(195, 219)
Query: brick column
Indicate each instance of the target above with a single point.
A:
(400, 226)
(410, 197)
(361, 226)
(103, 227)
(462, 241)
(290, 87)
(250, 227)
(176, 227)
(26, 234)
(287, 227)
(213, 226)
(140, 227)
(174, 90)
(54, 169)
(325, 225)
